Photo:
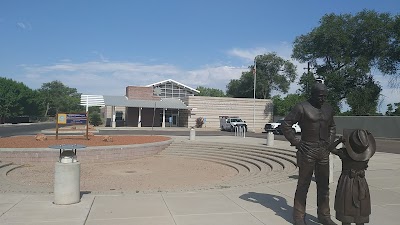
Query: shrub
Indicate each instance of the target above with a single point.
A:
(199, 122)
(95, 119)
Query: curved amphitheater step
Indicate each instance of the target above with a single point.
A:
(7, 185)
(256, 164)
(4, 164)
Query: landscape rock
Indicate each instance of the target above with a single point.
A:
(41, 137)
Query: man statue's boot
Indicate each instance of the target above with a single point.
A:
(323, 211)
(299, 221)
(326, 221)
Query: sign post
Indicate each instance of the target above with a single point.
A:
(91, 100)
(87, 125)
(79, 118)
(61, 119)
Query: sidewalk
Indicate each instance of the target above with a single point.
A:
(266, 204)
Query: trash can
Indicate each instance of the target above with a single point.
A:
(192, 135)
(270, 138)
(67, 176)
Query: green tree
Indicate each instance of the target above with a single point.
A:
(344, 48)
(307, 80)
(363, 100)
(57, 97)
(95, 119)
(94, 109)
(273, 73)
(242, 87)
(212, 92)
(390, 60)
(393, 111)
(16, 99)
(389, 110)
(282, 106)
(397, 110)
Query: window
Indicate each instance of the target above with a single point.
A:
(119, 115)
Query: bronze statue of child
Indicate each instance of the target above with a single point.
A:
(352, 199)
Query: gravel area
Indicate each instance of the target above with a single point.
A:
(31, 142)
(154, 173)
(146, 174)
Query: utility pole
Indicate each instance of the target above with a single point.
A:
(319, 79)
(308, 74)
(254, 94)
(308, 67)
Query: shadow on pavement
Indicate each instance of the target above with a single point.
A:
(277, 204)
(85, 193)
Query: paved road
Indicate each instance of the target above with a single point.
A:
(8, 130)
(383, 145)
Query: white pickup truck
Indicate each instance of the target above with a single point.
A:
(276, 127)
(229, 123)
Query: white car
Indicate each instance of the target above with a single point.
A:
(229, 123)
(275, 127)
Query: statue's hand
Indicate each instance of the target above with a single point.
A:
(302, 146)
(296, 142)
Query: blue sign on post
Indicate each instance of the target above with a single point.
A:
(76, 118)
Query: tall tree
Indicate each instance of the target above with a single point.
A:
(363, 100)
(242, 87)
(16, 99)
(212, 92)
(307, 80)
(282, 106)
(57, 97)
(393, 111)
(273, 73)
(344, 49)
(390, 60)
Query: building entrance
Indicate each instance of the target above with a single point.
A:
(171, 118)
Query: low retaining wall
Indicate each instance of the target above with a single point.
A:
(379, 126)
(86, 155)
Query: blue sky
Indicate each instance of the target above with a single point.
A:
(100, 47)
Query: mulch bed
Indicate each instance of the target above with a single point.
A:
(31, 142)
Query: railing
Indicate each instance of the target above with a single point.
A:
(240, 131)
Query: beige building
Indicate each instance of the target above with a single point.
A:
(169, 103)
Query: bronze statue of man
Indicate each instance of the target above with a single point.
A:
(318, 129)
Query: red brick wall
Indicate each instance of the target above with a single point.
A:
(143, 93)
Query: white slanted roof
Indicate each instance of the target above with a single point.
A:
(175, 82)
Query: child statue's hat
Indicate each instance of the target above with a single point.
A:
(360, 144)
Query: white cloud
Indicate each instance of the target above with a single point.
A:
(282, 49)
(24, 26)
(97, 77)
(111, 78)
(213, 77)
(247, 54)
(101, 56)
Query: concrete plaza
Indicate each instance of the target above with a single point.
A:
(261, 204)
